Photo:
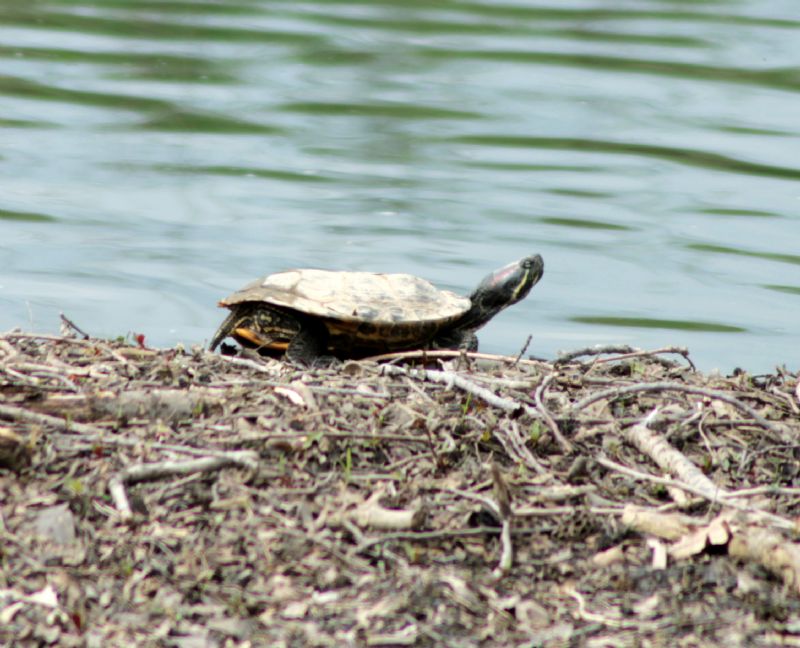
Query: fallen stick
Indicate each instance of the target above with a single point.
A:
(514, 445)
(269, 436)
(625, 351)
(370, 514)
(168, 404)
(523, 350)
(116, 441)
(720, 497)
(616, 392)
(69, 324)
(744, 540)
(592, 617)
(506, 552)
(90, 433)
(566, 446)
(426, 536)
(502, 497)
(676, 463)
(668, 458)
(264, 367)
(769, 549)
(13, 413)
(451, 379)
(423, 354)
(668, 526)
(682, 351)
(246, 459)
(97, 344)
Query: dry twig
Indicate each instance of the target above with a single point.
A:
(566, 446)
(245, 459)
(624, 352)
(617, 392)
(70, 325)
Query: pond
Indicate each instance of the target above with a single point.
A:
(156, 155)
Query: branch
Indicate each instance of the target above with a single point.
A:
(616, 392)
(246, 459)
(451, 379)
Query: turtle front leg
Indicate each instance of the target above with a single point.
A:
(224, 330)
(309, 347)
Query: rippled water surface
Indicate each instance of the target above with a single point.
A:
(157, 154)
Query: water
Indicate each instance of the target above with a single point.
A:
(155, 155)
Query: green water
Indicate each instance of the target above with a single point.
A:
(155, 155)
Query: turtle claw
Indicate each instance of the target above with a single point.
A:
(326, 362)
(318, 362)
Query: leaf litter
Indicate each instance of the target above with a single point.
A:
(181, 498)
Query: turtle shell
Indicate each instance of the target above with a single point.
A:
(359, 308)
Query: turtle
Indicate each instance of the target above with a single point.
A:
(317, 316)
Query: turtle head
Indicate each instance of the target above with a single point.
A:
(502, 288)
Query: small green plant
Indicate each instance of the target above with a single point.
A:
(282, 463)
(198, 408)
(465, 407)
(411, 552)
(659, 491)
(126, 568)
(74, 486)
(347, 467)
(312, 438)
(535, 432)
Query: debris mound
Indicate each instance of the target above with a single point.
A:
(181, 498)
